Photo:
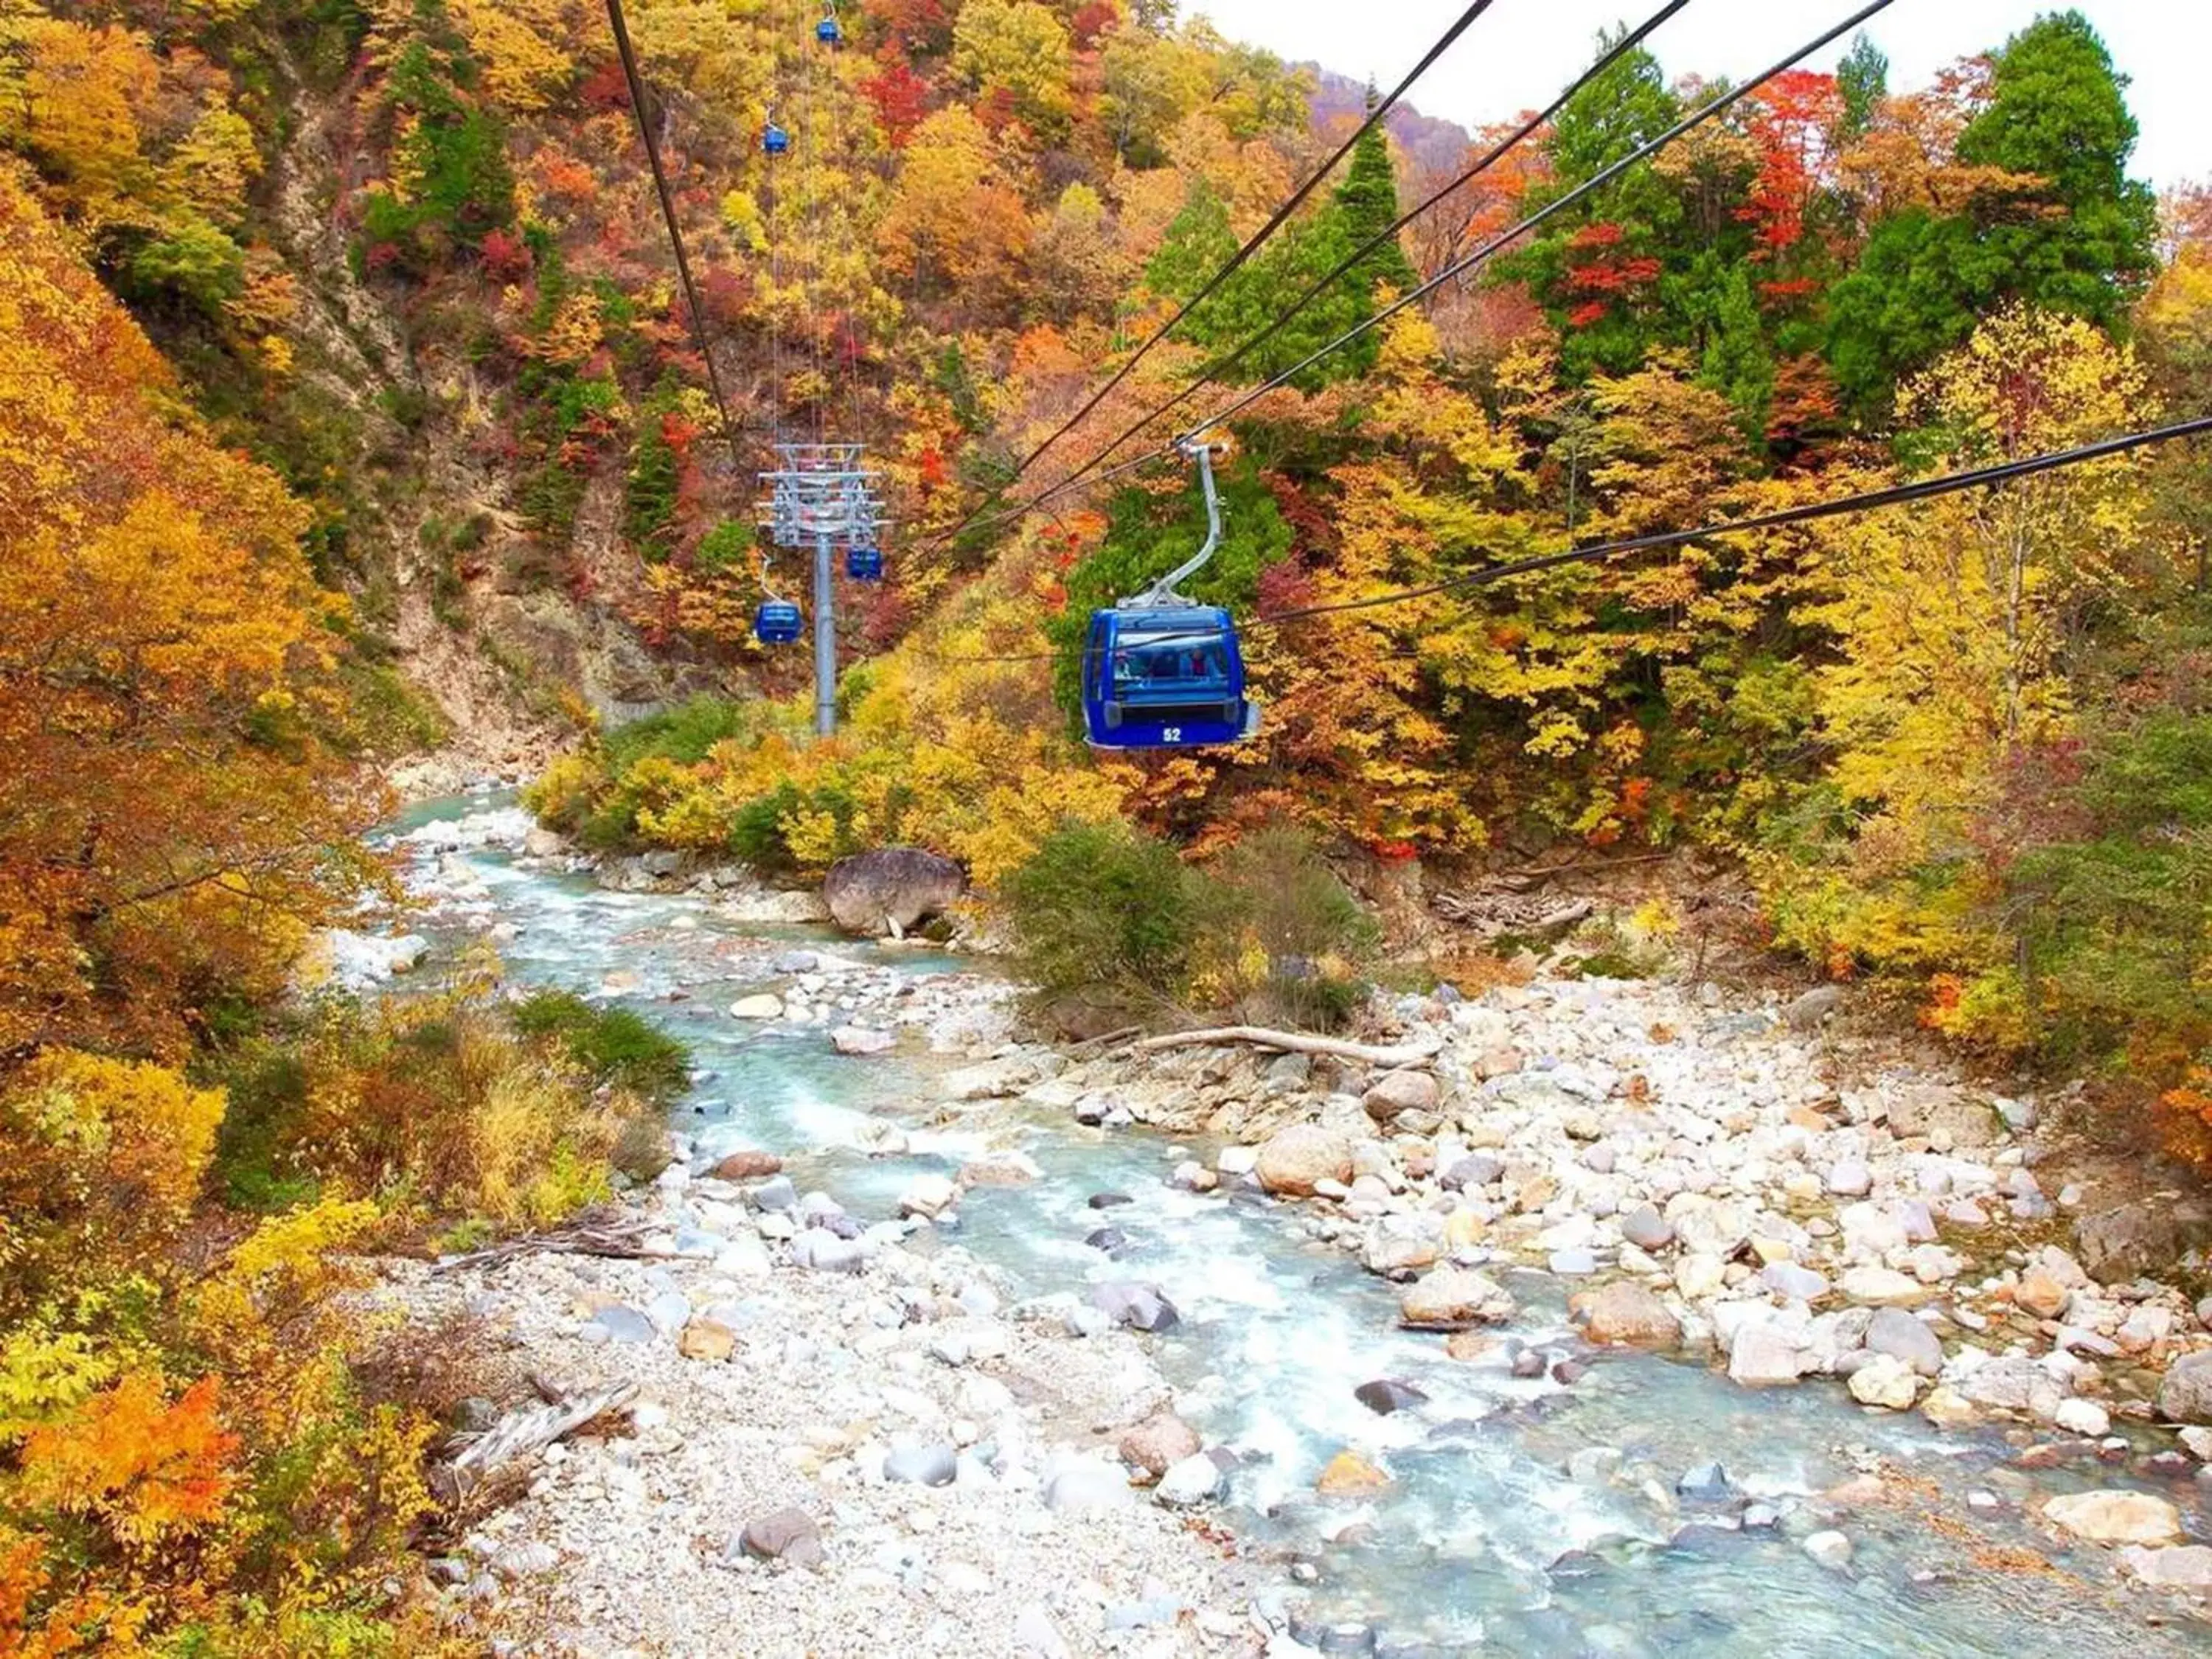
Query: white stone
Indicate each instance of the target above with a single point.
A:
(763, 1004)
(1831, 1549)
(2186, 1567)
(1851, 1179)
(1885, 1381)
(1189, 1482)
(1699, 1276)
(930, 1195)
(1086, 1484)
(1765, 1356)
(1882, 1287)
(2083, 1417)
(2115, 1517)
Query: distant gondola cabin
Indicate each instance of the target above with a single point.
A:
(777, 622)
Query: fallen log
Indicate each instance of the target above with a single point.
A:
(530, 1429)
(596, 1233)
(1298, 1042)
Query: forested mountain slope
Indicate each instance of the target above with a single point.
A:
(408, 255)
(351, 409)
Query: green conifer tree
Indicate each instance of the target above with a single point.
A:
(2080, 242)
(1862, 79)
(1364, 205)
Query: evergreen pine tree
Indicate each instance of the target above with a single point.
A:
(1609, 327)
(1862, 79)
(1367, 203)
(2082, 242)
(1738, 362)
(1363, 206)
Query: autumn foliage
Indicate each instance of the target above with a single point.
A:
(183, 1447)
(170, 821)
(1953, 745)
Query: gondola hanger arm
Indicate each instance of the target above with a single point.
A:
(1162, 592)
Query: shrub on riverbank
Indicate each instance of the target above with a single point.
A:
(450, 1105)
(613, 1045)
(189, 1460)
(1101, 905)
(1264, 928)
(746, 784)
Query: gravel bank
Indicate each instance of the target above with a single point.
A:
(765, 1387)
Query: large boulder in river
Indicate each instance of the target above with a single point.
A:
(2131, 1240)
(2115, 1517)
(890, 889)
(1454, 1299)
(1626, 1315)
(1293, 1161)
(2185, 1394)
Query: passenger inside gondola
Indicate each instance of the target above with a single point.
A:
(1171, 664)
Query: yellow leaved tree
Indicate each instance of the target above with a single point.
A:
(1955, 625)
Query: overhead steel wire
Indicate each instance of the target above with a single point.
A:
(1869, 501)
(1211, 373)
(1711, 110)
(636, 85)
(1243, 256)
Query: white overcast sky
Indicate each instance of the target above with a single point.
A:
(1517, 55)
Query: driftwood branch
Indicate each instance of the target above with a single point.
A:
(596, 1233)
(1296, 1043)
(528, 1430)
(1493, 914)
(1108, 1039)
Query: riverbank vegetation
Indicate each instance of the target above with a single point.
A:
(1264, 928)
(205, 1447)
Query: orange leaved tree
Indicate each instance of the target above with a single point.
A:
(167, 818)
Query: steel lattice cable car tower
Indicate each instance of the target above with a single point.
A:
(821, 498)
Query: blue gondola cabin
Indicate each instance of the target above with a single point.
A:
(1159, 677)
(777, 622)
(865, 564)
(827, 32)
(775, 141)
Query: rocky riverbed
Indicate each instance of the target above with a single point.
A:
(1629, 1304)
(1716, 1179)
(836, 1446)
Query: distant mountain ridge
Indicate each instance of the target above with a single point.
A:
(1428, 140)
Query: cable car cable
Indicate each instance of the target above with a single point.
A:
(1244, 254)
(1707, 111)
(1920, 489)
(636, 85)
(1948, 483)
(1211, 373)
(1024, 508)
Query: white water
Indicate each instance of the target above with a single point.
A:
(1485, 1544)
